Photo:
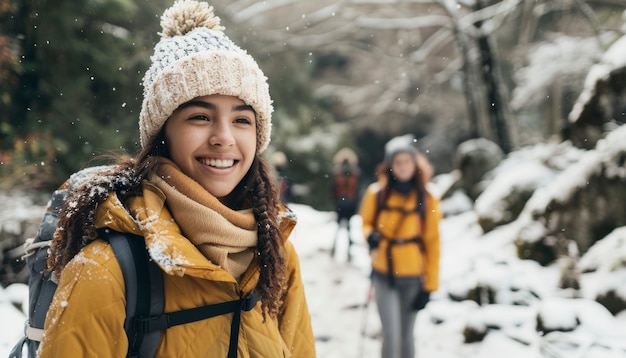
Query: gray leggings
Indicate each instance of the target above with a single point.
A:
(396, 315)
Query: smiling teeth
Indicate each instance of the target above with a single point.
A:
(218, 163)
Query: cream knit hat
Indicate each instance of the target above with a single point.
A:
(195, 58)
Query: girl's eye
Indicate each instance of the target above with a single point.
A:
(243, 120)
(200, 117)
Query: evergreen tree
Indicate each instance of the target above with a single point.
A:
(70, 83)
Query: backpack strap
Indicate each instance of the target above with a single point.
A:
(421, 204)
(145, 300)
(160, 322)
(143, 282)
(420, 207)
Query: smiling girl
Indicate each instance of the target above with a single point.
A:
(201, 197)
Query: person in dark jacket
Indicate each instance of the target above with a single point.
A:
(280, 164)
(401, 223)
(344, 191)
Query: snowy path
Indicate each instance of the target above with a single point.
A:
(337, 291)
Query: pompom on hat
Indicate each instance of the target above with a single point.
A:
(195, 58)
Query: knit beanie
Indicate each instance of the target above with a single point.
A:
(195, 58)
(345, 154)
(400, 144)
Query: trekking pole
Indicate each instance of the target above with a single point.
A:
(332, 251)
(370, 294)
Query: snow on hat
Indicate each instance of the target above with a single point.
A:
(195, 58)
(399, 144)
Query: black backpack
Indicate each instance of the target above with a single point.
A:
(143, 281)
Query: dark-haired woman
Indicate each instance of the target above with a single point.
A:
(401, 223)
(201, 197)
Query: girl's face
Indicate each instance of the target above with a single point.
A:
(403, 166)
(213, 140)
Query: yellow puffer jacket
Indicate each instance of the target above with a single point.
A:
(86, 318)
(398, 220)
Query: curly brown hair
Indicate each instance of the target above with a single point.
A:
(76, 227)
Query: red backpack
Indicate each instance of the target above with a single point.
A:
(347, 184)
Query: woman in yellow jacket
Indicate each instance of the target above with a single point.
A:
(401, 224)
(201, 196)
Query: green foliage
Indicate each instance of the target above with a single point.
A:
(71, 89)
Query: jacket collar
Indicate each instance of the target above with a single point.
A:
(146, 214)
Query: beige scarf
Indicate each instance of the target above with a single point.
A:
(226, 237)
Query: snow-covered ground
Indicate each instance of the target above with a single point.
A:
(345, 326)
